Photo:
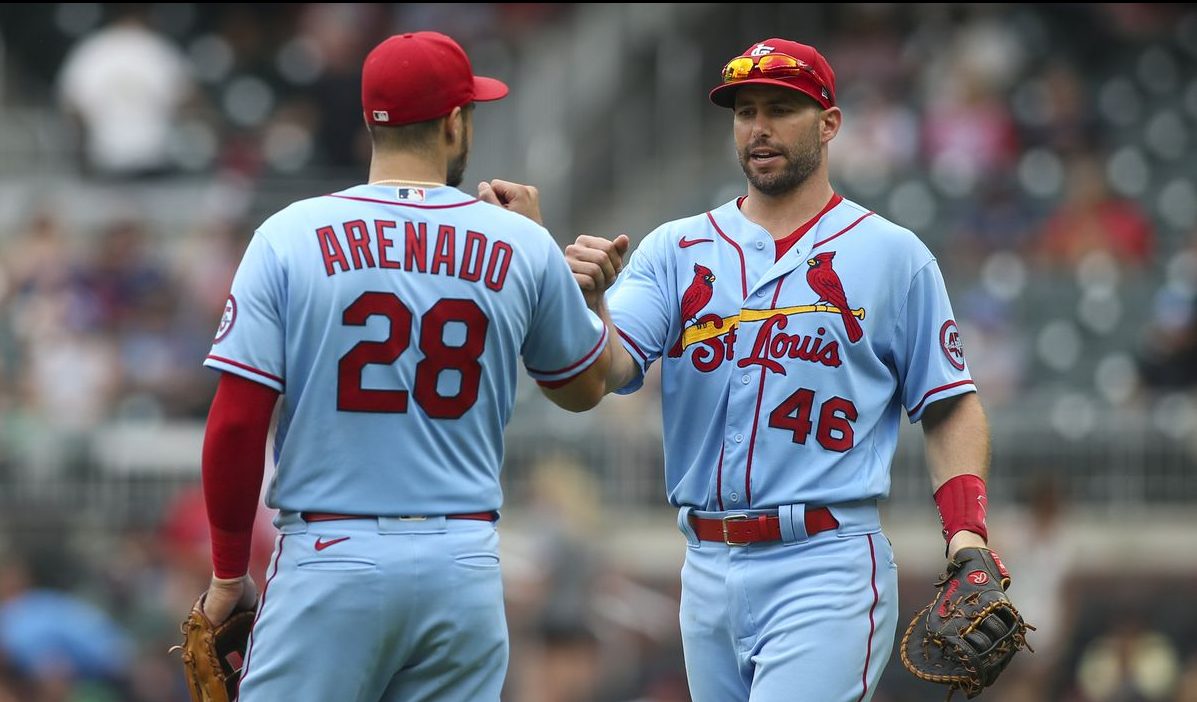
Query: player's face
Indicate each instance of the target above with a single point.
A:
(455, 173)
(777, 135)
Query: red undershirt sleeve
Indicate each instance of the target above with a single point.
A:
(233, 466)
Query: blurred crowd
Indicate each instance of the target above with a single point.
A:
(1046, 155)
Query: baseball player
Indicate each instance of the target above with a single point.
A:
(391, 317)
(793, 327)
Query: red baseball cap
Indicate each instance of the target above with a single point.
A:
(818, 82)
(420, 76)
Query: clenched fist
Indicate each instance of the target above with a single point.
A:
(519, 198)
(596, 262)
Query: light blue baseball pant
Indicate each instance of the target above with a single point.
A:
(380, 610)
(809, 619)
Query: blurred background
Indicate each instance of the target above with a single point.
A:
(1047, 155)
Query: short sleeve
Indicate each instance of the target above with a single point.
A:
(641, 310)
(928, 350)
(565, 337)
(251, 339)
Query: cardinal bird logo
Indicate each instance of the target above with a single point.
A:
(824, 281)
(698, 294)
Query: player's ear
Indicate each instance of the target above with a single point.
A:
(830, 121)
(454, 126)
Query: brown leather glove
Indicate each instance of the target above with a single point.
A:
(970, 631)
(213, 655)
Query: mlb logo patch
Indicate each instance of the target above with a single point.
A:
(410, 194)
(382, 116)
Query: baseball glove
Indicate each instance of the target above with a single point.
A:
(213, 654)
(970, 631)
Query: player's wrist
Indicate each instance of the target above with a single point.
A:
(965, 539)
(961, 502)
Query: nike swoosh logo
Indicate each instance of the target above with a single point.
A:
(321, 544)
(686, 244)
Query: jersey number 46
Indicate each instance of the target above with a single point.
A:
(835, 419)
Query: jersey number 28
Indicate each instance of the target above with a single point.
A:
(438, 356)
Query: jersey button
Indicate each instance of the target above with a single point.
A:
(739, 438)
(735, 497)
(745, 380)
(760, 293)
(760, 244)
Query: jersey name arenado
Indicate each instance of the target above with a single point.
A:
(393, 319)
(783, 380)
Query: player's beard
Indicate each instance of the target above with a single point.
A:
(801, 160)
(455, 173)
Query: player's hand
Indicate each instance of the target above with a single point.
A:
(522, 199)
(224, 596)
(596, 262)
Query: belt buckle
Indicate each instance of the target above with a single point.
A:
(733, 518)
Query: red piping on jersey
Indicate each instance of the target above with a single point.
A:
(864, 677)
(562, 382)
(743, 272)
(842, 231)
(632, 343)
(249, 649)
(244, 367)
(719, 477)
(405, 204)
(756, 418)
(941, 388)
(580, 361)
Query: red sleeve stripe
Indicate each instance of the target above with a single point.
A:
(242, 366)
(845, 230)
(405, 204)
(589, 360)
(635, 347)
(915, 410)
(586, 359)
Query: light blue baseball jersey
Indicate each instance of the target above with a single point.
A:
(783, 379)
(393, 320)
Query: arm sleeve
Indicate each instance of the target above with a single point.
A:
(251, 340)
(233, 465)
(564, 337)
(928, 351)
(641, 310)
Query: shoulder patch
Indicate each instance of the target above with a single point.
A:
(953, 347)
(227, 319)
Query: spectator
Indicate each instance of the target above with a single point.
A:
(1091, 218)
(125, 84)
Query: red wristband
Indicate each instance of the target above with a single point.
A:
(961, 503)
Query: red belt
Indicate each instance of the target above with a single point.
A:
(741, 529)
(331, 517)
